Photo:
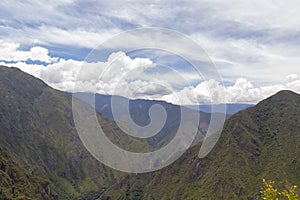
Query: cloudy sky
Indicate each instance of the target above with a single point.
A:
(254, 46)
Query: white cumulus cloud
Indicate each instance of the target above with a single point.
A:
(129, 77)
(9, 51)
(242, 91)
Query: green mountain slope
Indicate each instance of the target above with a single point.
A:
(260, 142)
(15, 183)
(39, 143)
(38, 132)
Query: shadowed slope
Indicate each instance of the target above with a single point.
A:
(260, 142)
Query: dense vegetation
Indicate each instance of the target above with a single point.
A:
(15, 183)
(41, 154)
(262, 141)
(38, 132)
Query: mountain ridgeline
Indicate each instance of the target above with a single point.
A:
(231, 108)
(259, 142)
(37, 131)
(42, 156)
(139, 113)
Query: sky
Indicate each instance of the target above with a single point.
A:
(253, 45)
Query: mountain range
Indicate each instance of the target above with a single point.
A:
(42, 156)
(231, 108)
(139, 113)
(259, 142)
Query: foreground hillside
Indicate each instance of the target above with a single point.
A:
(42, 157)
(260, 142)
(15, 183)
(37, 131)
